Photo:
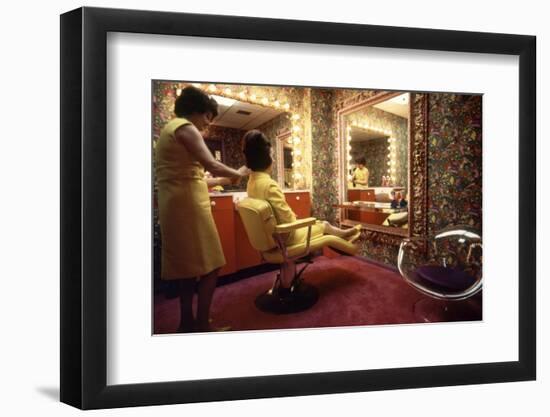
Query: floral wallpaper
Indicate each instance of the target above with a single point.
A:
(324, 193)
(231, 139)
(454, 161)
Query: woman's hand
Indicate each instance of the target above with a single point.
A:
(243, 172)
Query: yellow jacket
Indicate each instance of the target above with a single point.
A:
(361, 175)
(263, 187)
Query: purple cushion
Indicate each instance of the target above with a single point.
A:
(452, 278)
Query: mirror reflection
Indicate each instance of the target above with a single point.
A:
(235, 118)
(285, 157)
(376, 140)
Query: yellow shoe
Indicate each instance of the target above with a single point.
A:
(357, 234)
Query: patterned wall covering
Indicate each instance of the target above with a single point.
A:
(346, 97)
(454, 161)
(231, 139)
(398, 126)
(272, 129)
(164, 96)
(324, 155)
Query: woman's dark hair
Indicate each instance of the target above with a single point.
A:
(361, 161)
(257, 150)
(194, 100)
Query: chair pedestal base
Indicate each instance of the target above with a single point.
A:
(429, 310)
(297, 298)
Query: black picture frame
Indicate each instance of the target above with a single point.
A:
(84, 207)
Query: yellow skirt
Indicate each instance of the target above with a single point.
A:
(300, 235)
(191, 245)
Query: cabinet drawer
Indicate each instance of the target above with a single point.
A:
(225, 223)
(221, 203)
(300, 203)
(361, 195)
(368, 195)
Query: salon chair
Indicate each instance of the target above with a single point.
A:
(447, 269)
(288, 293)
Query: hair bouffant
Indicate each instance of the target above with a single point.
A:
(194, 100)
(257, 150)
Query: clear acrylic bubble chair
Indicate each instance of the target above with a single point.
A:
(447, 269)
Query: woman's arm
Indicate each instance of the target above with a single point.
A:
(212, 182)
(190, 137)
(276, 198)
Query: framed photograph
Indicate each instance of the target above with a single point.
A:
(257, 208)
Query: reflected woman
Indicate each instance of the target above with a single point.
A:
(191, 250)
(361, 173)
(257, 151)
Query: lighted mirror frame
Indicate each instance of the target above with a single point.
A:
(417, 195)
(297, 128)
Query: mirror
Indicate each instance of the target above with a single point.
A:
(224, 137)
(285, 160)
(375, 144)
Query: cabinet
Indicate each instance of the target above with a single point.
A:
(361, 195)
(224, 216)
(300, 203)
(247, 256)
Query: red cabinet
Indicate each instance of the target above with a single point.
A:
(300, 203)
(361, 195)
(224, 217)
(247, 256)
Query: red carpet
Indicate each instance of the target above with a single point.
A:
(352, 292)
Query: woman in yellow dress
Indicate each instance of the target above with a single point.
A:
(191, 247)
(361, 174)
(257, 151)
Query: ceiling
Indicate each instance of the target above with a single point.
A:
(398, 105)
(245, 116)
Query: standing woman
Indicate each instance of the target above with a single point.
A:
(191, 248)
(361, 173)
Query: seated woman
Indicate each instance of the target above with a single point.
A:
(257, 151)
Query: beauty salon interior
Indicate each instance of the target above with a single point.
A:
(401, 171)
